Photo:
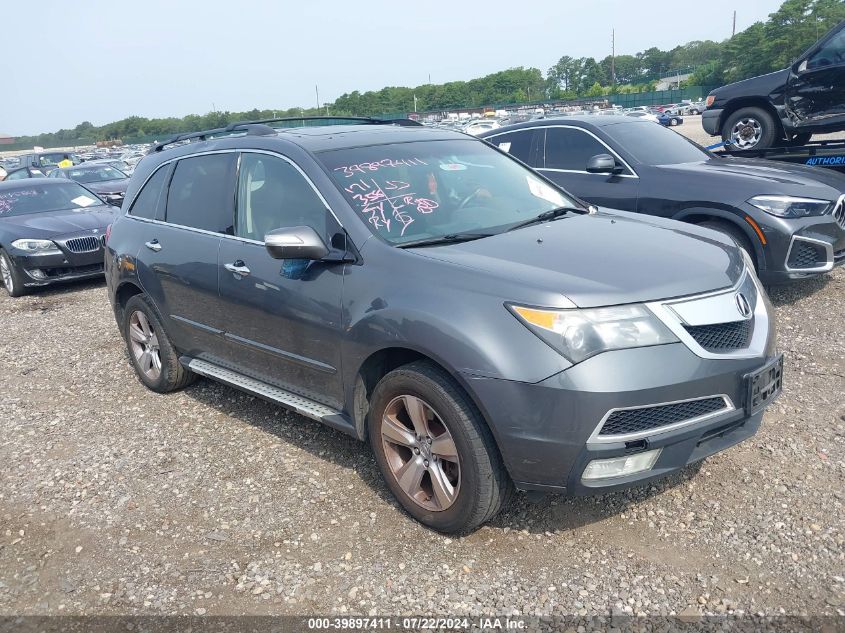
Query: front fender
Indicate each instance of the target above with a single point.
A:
(730, 216)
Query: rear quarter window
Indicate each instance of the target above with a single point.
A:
(148, 202)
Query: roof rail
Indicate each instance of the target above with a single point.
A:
(260, 128)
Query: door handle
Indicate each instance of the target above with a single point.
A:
(153, 245)
(237, 268)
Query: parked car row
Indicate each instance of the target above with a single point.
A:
(447, 299)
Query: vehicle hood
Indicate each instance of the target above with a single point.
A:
(753, 86)
(609, 258)
(738, 179)
(108, 186)
(57, 223)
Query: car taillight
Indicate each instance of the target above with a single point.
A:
(709, 101)
(108, 233)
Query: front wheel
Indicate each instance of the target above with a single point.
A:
(12, 280)
(435, 451)
(750, 128)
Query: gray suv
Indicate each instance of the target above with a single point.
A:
(423, 290)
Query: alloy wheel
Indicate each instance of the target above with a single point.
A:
(6, 273)
(421, 453)
(144, 344)
(746, 133)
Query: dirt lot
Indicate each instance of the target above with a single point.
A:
(208, 501)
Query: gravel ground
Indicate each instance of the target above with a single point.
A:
(208, 501)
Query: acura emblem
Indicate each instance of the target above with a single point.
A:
(743, 306)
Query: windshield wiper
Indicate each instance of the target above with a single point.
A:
(451, 238)
(551, 214)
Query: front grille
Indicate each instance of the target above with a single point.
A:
(839, 211)
(806, 255)
(83, 244)
(54, 273)
(720, 337)
(629, 421)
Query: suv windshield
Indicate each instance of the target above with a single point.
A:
(652, 144)
(95, 174)
(428, 189)
(42, 198)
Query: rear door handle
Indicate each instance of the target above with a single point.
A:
(153, 245)
(237, 268)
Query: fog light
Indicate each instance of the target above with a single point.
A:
(620, 466)
(37, 273)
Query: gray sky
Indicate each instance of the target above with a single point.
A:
(102, 61)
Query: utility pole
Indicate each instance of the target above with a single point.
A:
(317, 91)
(733, 30)
(415, 102)
(613, 58)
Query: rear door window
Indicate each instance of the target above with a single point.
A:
(518, 144)
(202, 193)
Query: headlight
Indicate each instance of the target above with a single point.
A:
(35, 246)
(579, 334)
(790, 207)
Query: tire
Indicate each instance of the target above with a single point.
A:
(449, 443)
(143, 332)
(10, 277)
(738, 236)
(750, 128)
(694, 112)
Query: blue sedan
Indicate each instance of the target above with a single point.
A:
(668, 120)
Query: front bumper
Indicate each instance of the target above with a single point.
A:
(544, 429)
(799, 248)
(710, 121)
(49, 268)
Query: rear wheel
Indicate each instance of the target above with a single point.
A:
(435, 451)
(153, 356)
(12, 279)
(750, 128)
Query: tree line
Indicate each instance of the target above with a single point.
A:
(763, 47)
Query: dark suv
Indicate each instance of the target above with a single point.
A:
(424, 290)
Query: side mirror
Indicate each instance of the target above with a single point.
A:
(802, 67)
(602, 164)
(298, 242)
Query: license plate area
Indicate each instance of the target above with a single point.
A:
(763, 386)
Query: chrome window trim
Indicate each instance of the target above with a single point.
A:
(633, 173)
(757, 346)
(226, 151)
(828, 248)
(597, 438)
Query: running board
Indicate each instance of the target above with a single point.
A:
(302, 405)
